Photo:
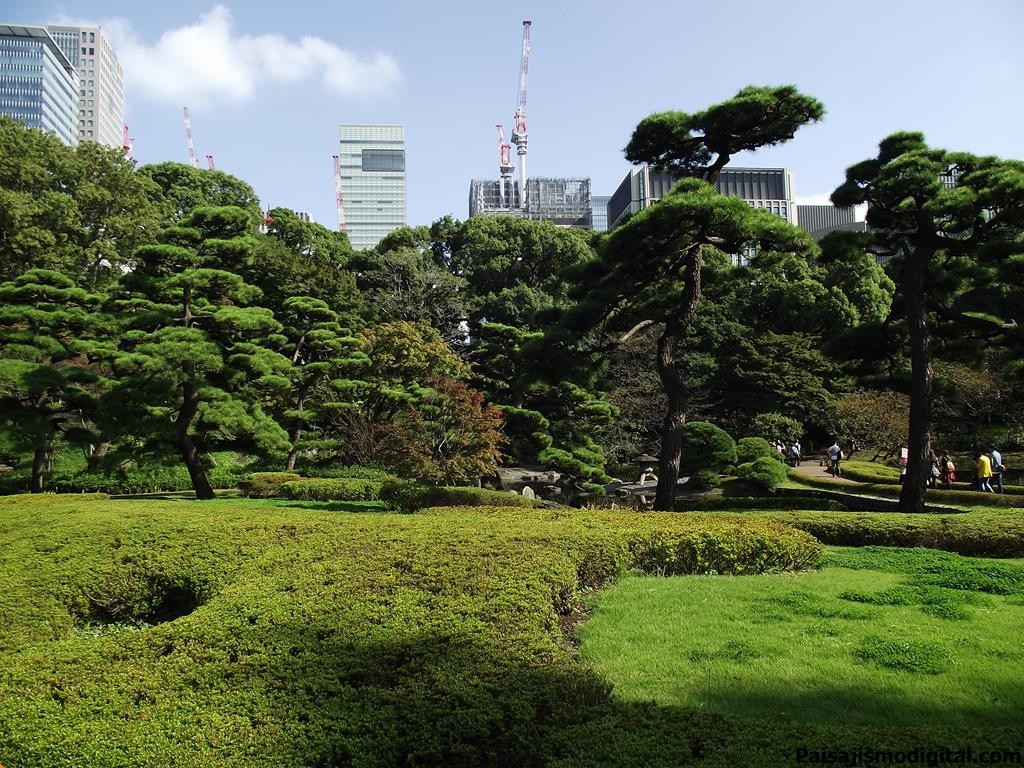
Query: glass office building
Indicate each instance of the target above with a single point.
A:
(100, 83)
(38, 83)
(599, 212)
(372, 181)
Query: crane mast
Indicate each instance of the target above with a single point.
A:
(519, 132)
(127, 143)
(505, 168)
(192, 159)
(339, 200)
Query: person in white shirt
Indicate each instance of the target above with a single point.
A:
(835, 455)
(997, 469)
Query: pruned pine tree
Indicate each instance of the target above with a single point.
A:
(196, 362)
(48, 377)
(952, 226)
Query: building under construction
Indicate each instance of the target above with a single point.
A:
(565, 202)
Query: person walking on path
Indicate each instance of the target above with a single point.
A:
(835, 456)
(795, 453)
(933, 470)
(983, 472)
(948, 470)
(997, 469)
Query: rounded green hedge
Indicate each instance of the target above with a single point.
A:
(751, 448)
(409, 497)
(331, 489)
(765, 473)
(706, 446)
(264, 485)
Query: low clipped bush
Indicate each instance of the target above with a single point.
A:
(358, 471)
(409, 497)
(706, 446)
(264, 485)
(750, 448)
(331, 489)
(959, 495)
(764, 474)
(704, 480)
(734, 503)
(988, 534)
(308, 638)
(870, 472)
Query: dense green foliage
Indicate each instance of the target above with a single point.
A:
(233, 632)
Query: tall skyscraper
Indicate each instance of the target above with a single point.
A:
(372, 161)
(100, 83)
(38, 82)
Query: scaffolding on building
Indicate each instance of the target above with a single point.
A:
(563, 201)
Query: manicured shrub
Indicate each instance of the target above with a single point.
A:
(409, 497)
(331, 489)
(264, 485)
(750, 448)
(870, 472)
(765, 474)
(704, 480)
(316, 637)
(989, 534)
(365, 473)
(775, 426)
(706, 446)
(735, 503)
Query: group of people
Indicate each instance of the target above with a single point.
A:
(988, 471)
(793, 453)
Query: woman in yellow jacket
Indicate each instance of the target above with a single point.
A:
(984, 472)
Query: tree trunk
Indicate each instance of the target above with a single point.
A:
(919, 443)
(187, 448)
(94, 456)
(200, 482)
(672, 381)
(38, 464)
(289, 465)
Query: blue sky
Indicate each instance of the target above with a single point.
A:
(268, 83)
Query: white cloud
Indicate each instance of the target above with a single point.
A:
(208, 61)
(822, 198)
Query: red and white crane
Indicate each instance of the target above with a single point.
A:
(505, 169)
(519, 132)
(127, 143)
(338, 198)
(192, 159)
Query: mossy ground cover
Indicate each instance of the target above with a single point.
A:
(883, 641)
(240, 632)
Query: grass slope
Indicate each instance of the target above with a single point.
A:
(239, 633)
(880, 639)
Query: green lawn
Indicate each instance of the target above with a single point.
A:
(881, 638)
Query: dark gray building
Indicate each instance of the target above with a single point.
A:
(768, 188)
(599, 212)
(819, 220)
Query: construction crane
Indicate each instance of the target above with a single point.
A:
(519, 132)
(505, 168)
(127, 143)
(210, 164)
(338, 198)
(192, 159)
